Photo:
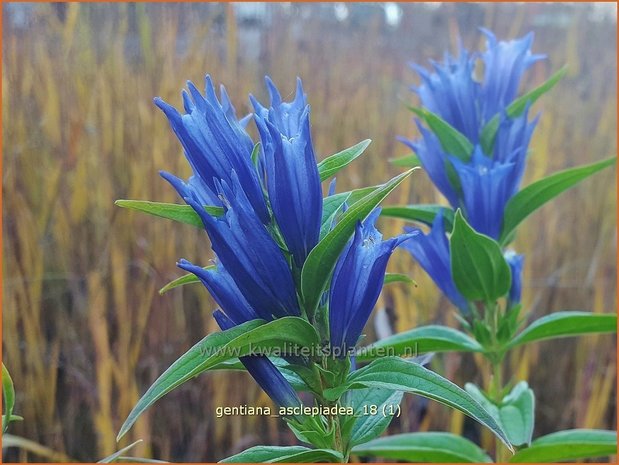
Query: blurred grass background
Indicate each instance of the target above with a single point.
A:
(84, 330)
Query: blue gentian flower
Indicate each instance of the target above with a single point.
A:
(435, 162)
(482, 185)
(226, 293)
(249, 253)
(357, 283)
(432, 252)
(268, 377)
(452, 93)
(215, 144)
(291, 172)
(504, 65)
(486, 186)
(511, 144)
(515, 262)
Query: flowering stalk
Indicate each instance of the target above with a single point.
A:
(261, 205)
(474, 143)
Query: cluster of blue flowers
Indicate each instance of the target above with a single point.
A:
(272, 203)
(482, 183)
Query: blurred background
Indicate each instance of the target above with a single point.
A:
(85, 331)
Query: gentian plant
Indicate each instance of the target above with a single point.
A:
(474, 143)
(295, 277)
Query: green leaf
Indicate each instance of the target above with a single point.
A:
(8, 440)
(399, 375)
(537, 194)
(332, 205)
(116, 455)
(282, 365)
(331, 165)
(188, 278)
(479, 269)
(573, 444)
(432, 338)
(287, 454)
(171, 211)
(422, 213)
(516, 108)
(565, 324)
(517, 414)
(452, 140)
(407, 161)
(428, 447)
(245, 339)
(255, 154)
(321, 261)
(8, 393)
(368, 426)
(398, 278)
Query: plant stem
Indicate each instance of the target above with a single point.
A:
(496, 381)
(497, 395)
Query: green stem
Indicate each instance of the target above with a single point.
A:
(497, 395)
(496, 382)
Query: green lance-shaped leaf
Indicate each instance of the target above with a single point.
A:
(332, 164)
(565, 324)
(424, 339)
(421, 213)
(452, 140)
(285, 454)
(399, 375)
(116, 455)
(537, 194)
(188, 278)
(516, 108)
(391, 278)
(171, 211)
(285, 368)
(321, 260)
(251, 337)
(367, 426)
(427, 447)
(479, 269)
(8, 393)
(576, 444)
(407, 161)
(332, 206)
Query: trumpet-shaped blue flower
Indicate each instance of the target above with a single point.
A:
(452, 93)
(482, 185)
(215, 145)
(225, 291)
(486, 187)
(511, 144)
(249, 253)
(504, 65)
(432, 252)
(268, 377)
(292, 178)
(357, 283)
(515, 262)
(435, 161)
